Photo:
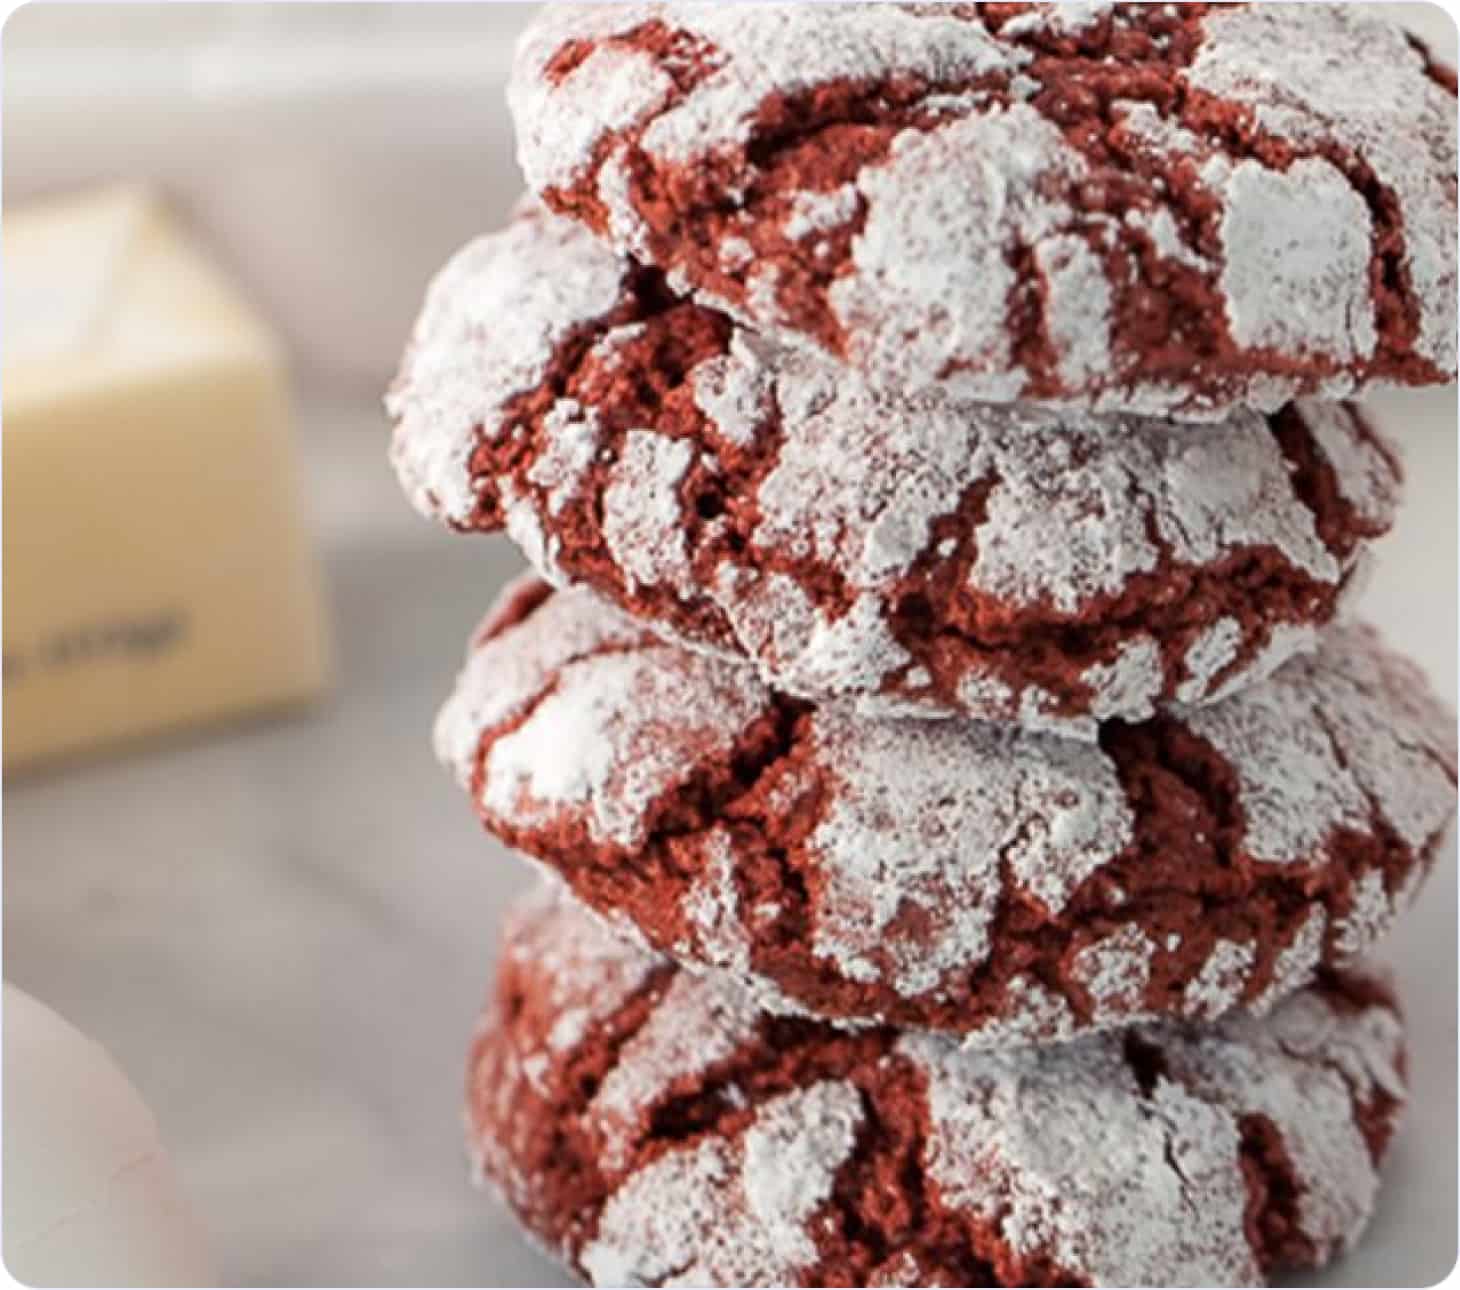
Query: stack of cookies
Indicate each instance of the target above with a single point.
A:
(966, 817)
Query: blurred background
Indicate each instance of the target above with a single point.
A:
(255, 888)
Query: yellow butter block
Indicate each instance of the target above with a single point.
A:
(156, 567)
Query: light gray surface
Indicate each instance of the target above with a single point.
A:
(283, 932)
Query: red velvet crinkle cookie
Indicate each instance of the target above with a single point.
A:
(1164, 208)
(652, 1128)
(1010, 886)
(910, 554)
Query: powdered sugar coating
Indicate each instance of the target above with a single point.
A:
(715, 1215)
(994, 227)
(1156, 1156)
(1355, 87)
(1318, 753)
(930, 277)
(1289, 236)
(925, 818)
(1115, 971)
(641, 516)
(1356, 1062)
(904, 554)
(663, 1050)
(586, 980)
(1219, 987)
(967, 877)
(597, 741)
(453, 378)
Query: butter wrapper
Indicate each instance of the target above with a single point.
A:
(157, 570)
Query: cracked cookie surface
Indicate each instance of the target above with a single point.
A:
(1006, 885)
(653, 1128)
(1173, 209)
(911, 554)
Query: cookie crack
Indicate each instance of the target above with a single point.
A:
(1273, 1217)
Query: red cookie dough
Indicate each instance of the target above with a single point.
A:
(652, 1128)
(911, 554)
(967, 877)
(1164, 208)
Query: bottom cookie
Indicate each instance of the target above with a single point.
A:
(652, 1127)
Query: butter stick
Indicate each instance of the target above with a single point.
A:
(157, 571)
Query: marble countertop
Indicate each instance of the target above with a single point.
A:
(283, 930)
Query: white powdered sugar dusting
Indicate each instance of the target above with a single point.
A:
(596, 733)
(821, 212)
(1161, 227)
(1078, 310)
(1284, 641)
(573, 437)
(930, 281)
(643, 519)
(1326, 743)
(1215, 649)
(982, 691)
(731, 1213)
(792, 1153)
(625, 225)
(1065, 19)
(1215, 487)
(926, 829)
(1303, 1070)
(487, 333)
(774, 620)
(985, 177)
(1067, 533)
(734, 392)
(1159, 134)
(1116, 970)
(559, 125)
(1368, 918)
(1059, 1147)
(1038, 711)
(597, 741)
(711, 907)
(1104, 1167)
(1297, 245)
(929, 823)
(846, 492)
(735, 254)
(505, 675)
(1365, 473)
(1218, 987)
(1350, 78)
(717, 931)
(664, 1051)
(1129, 686)
(1294, 791)
(1296, 963)
(588, 976)
(846, 655)
(1065, 507)
(793, 47)
(526, 527)
(1031, 1014)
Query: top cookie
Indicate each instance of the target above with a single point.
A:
(1163, 208)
